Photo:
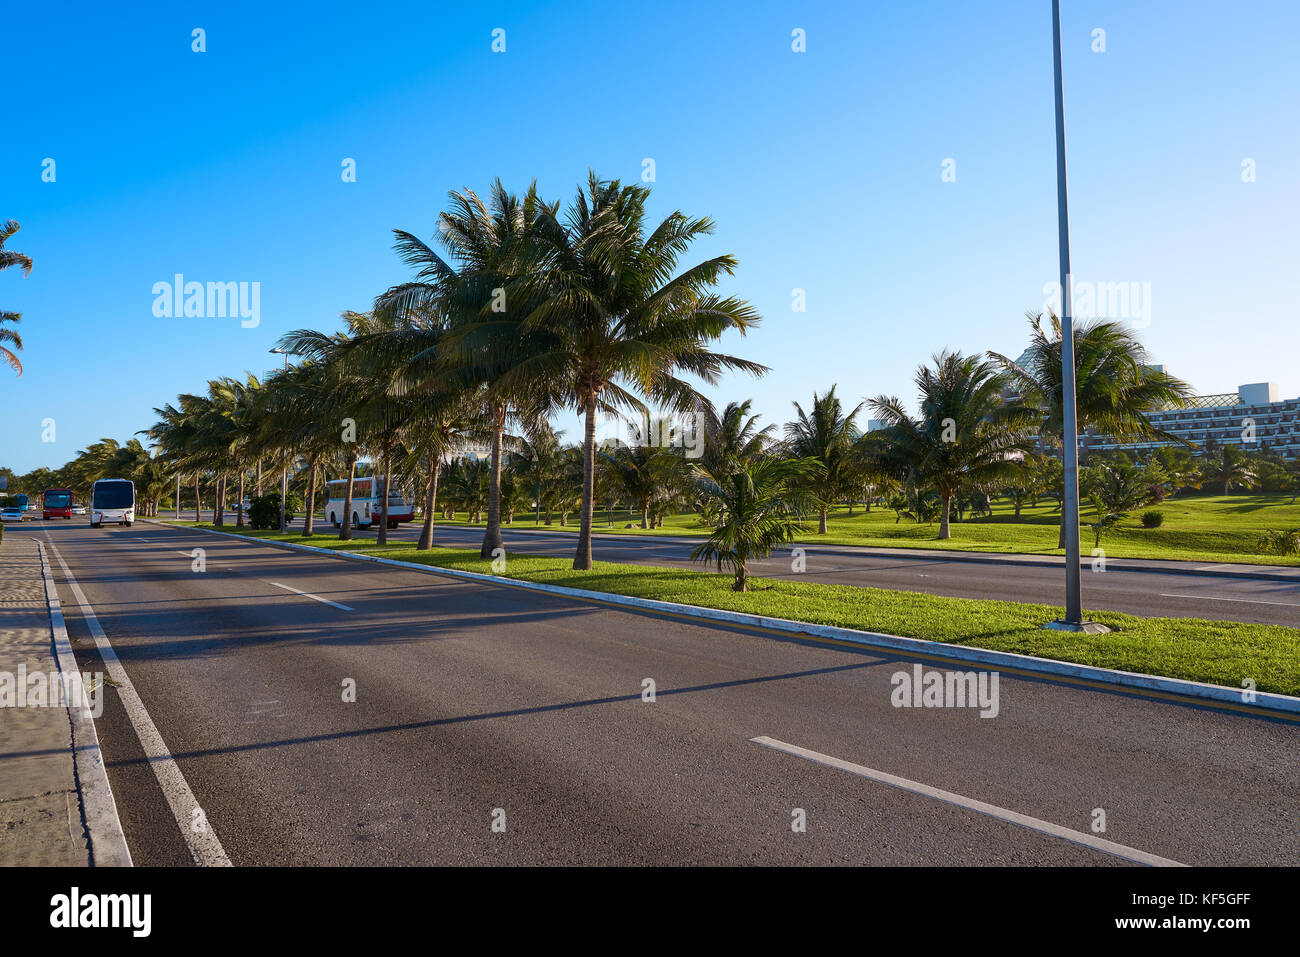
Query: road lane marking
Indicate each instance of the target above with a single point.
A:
(991, 810)
(108, 847)
(696, 618)
(1248, 601)
(203, 845)
(323, 601)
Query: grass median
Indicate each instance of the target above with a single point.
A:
(1215, 652)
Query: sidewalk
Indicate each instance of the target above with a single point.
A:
(40, 807)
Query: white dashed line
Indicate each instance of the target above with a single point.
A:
(1248, 601)
(323, 601)
(991, 810)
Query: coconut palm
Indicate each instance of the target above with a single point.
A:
(967, 434)
(1231, 466)
(759, 503)
(733, 436)
(609, 315)
(488, 244)
(643, 474)
(826, 435)
(11, 257)
(1115, 386)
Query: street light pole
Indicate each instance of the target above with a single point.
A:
(1073, 620)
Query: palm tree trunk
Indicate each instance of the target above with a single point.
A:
(821, 521)
(197, 509)
(944, 531)
(492, 534)
(381, 538)
(345, 531)
(219, 504)
(645, 515)
(431, 500)
(582, 560)
(1060, 539)
(309, 520)
(239, 516)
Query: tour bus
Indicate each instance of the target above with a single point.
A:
(56, 503)
(112, 500)
(367, 498)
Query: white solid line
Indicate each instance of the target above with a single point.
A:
(992, 810)
(323, 601)
(203, 844)
(1248, 601)
(108, 846)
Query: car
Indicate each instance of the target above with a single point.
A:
(78, 510)
(12, 514)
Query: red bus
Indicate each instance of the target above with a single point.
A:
(56, 503)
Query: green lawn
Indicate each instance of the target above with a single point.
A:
(1202, 528)
(1217, 652)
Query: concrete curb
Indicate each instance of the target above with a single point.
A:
(103, 826)
(1217, 694)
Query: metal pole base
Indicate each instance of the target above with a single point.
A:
(1087, 627)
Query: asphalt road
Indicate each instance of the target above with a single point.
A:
(1211, 593)
(476, 697)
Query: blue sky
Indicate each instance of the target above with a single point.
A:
(823, 170)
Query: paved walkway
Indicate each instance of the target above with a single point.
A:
(40, 808)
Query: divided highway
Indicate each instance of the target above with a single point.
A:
(481, 704)
(1212, 593)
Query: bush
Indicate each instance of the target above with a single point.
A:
(1153, 519)
(1280, 543)
(264, 510)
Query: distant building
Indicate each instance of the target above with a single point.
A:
(1254, 417)
(1255, 412)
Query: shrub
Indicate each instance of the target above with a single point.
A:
(1280, 543)
(1153, 519)
(264, 510)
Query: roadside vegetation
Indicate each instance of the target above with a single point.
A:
(525, 307)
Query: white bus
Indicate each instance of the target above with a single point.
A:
(367, 498)
(112, 500)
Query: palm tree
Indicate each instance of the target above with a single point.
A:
(733, 436)
(539, 464)
(759, 502)
(966, 436)
(644, 474)
(11, 257)
(1231, 466)
(825, 435)
(606, 312)
(1115, 386)
(441, 424)
(488, 244)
